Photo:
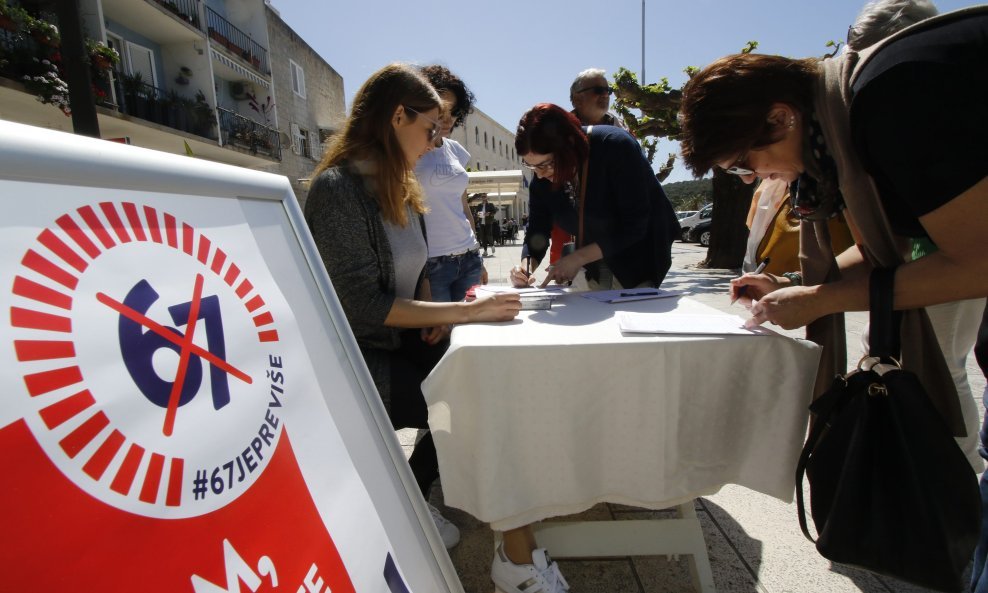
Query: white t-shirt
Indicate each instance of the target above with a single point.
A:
(443, 176)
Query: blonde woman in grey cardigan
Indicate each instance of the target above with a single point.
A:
(364, 210)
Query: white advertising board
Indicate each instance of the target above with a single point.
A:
(183, 406)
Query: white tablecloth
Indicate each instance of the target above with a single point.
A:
(557, 410)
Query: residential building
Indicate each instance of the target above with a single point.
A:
(310, 102)
(193, 75)
(491, 145)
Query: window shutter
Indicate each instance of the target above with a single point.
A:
(295, 134)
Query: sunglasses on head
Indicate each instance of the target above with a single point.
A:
(436, 126)
(597, 90)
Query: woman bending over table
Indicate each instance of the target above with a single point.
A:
(894, 132)
(595, 183)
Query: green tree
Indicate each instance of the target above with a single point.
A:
(651, 113)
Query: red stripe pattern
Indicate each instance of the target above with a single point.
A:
(52, 269)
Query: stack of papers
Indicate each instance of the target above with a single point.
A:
(553, 290)
(686, 323)
(624, 295)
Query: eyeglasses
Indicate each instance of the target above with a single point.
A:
(541, 167)
(436, 126)
(597, 89)
(737, 169)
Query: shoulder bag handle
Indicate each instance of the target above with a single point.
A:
(883, 338)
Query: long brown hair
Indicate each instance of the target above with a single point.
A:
(368, 135)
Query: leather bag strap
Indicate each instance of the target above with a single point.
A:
(883, 336)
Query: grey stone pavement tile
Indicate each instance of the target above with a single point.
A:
(753, 540)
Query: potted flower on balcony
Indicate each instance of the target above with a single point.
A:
(12, 18)
(44, 80)
(102, 57)
(203, 116)
(44, 32)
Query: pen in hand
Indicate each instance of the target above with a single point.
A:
(743, 289)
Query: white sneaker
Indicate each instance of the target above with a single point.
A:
(542, 576)
(449, 532)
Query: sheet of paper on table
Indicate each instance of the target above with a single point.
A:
(686, 323)
(553, 290)
(624, 295)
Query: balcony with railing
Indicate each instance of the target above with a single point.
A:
(167, 108)
(223, 33)
(184, 10)
(244, 132)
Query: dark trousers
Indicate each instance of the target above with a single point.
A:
(410, 365)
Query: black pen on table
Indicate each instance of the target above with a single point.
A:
(758, 270)
(645, 293)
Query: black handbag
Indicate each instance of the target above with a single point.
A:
(890, 490)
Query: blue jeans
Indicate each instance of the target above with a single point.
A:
(979, 575)
(450, 276)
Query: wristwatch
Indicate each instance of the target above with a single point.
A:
(795, 278)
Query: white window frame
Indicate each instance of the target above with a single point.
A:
(301, 142)
(133, 48)
(298, 78)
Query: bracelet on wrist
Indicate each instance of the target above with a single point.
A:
(795, 278)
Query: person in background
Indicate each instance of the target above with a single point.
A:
(364, 210)
(454, 263)
(591, 98)
(628, 225)
(485, 214)
(846, 118)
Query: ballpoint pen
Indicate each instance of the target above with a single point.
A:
(743, 289)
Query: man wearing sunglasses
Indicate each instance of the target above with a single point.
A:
(591, 98)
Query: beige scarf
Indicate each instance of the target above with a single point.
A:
(920, 351)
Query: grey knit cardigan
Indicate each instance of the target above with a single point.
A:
(345, 221)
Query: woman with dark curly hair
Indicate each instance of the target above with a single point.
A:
(454, 263)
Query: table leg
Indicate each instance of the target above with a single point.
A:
(646, 537)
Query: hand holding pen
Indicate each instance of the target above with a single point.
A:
(522, 277)
(739, 286)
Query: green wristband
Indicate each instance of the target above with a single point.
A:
(795, 278)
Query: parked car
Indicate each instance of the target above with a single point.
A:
(701, 232)
(689, 222)
(685, 213)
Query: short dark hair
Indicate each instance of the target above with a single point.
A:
(443, 80)
(550, 129)
(724, 109)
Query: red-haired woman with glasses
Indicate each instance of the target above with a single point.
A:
(595, 183)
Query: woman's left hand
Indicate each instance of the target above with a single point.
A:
(563, 271)
(434, 335)
(789, 308)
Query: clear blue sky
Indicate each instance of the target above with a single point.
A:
(516, 53)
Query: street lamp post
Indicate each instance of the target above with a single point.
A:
(643, 43)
